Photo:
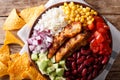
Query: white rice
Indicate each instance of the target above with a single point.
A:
(53, 19)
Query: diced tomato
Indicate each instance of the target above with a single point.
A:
(102, 30)
(95, 49)
(107, 38)
(98, 19)
(99, 25)
(94, 46)
(106, 27)
(101, 46)
(93, 43)
(99, 39)
(91, 26)
(107, 46)
(96, 34)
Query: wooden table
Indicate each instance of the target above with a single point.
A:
(109, 8)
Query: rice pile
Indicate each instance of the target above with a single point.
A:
(53, 19)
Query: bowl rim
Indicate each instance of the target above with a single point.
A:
(57, 5)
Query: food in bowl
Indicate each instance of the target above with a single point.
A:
(70, 41)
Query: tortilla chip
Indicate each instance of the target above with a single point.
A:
(32, 74)
(25, 75)
(3, 69)
(18, 66)
(13, 22)
(11, 39)
(30, 14)
(4, 54)
(40, 77)
(14, 56)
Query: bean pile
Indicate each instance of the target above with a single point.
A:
(84, 65)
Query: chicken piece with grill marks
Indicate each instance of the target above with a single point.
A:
(57, 42)
(71, 45)
(68, 32)
(73, 29)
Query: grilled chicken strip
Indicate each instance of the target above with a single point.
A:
(68, 32)
(57, 42)
(72, 30)
(71, 45)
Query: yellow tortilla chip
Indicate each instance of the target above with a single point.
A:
(4, 54)
(18, 66)
(40, 77)
(13, 22)
(25, 75)
(14, 56)
(11, 39)
(32, 74)
(30, 14)
(3, 69)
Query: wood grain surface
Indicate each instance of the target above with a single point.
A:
(109, 8)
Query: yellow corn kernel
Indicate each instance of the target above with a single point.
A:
(76, 12)
(73, 7)
(67, 12)
(92, 19)
(71, 4)
(72, 15)
(67, 17)
(65, 4)
(82, 20)
(82, 14)
(92, 11)
(67, 8)
(84, 10)
(69, 22)
(88, 13)
(85, 16)
(76, 19)
(77, 15)
(81, 6)
(72, 11)
(88, 18)
(77, 6)
(88, 9)
(72, 18)
(89, 22)
(79, 18)
(79, 10)
(95, 13)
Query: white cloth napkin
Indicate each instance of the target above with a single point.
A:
(24, 33)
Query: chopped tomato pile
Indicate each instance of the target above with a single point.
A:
(100, 40)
